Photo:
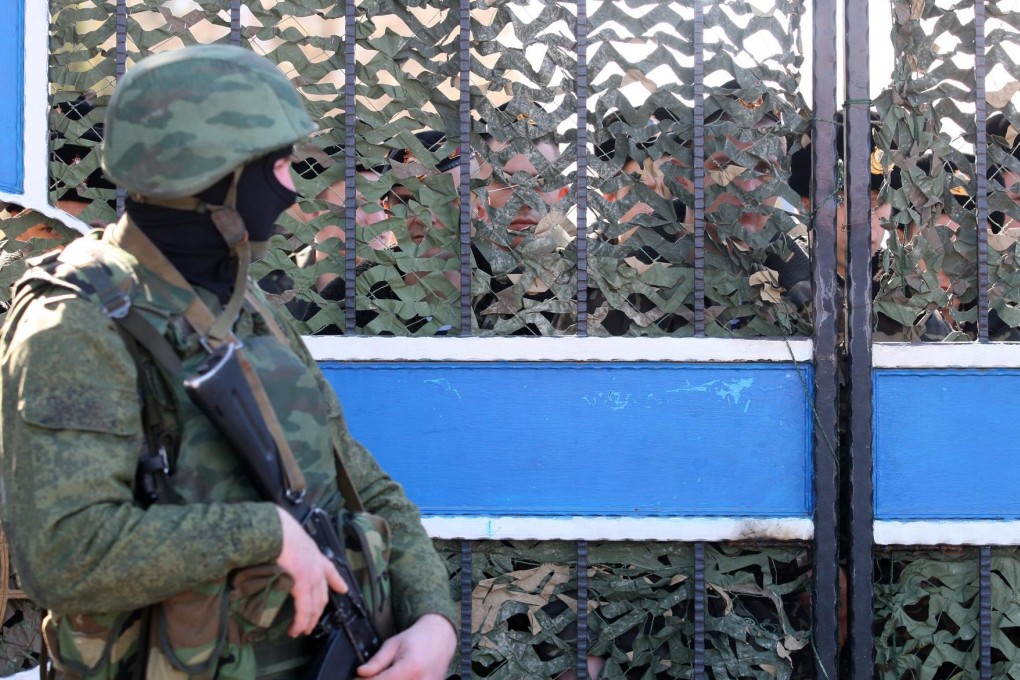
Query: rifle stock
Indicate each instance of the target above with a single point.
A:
(221, 391)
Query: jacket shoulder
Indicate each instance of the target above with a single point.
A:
(87, 267)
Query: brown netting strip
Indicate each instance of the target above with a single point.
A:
(6, 592)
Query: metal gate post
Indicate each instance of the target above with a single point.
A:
(858, 211)
(825, 583)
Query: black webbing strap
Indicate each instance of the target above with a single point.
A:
(158, 347)
(137, 333)
(96, 281)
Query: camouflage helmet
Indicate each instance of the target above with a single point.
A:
(181, 120)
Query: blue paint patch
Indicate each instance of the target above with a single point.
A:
(12, 73)
(944, 444)
(555, 439)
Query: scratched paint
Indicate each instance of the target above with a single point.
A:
(444, 385)
(731, 391)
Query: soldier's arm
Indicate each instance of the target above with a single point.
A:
(71, 432)
(419, 579)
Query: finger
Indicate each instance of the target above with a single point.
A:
(300, 622)
(318, 597)
(380, 661)
(335, 581)
(309, 601)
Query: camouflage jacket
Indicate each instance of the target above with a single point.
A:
(71, 435)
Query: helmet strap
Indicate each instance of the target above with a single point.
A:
(225, 321)
(213, 330)
(186, 203)
(226, 218)
(231, 227)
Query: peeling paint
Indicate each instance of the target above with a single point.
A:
(734, 389)
(730, 390)
(616, 401)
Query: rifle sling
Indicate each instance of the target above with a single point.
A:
(148, 337)
(214, 331)
(131, 239)
(347, 489)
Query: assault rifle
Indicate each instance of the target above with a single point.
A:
(220, 389)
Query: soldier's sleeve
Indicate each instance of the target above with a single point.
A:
(419, 579)
(71, 434)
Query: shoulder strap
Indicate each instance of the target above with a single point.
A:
(132, 326)
(159, 419)
(94, 279)
(343, 481)
(148, 337)
(214, 331)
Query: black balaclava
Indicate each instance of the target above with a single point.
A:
(191, 241)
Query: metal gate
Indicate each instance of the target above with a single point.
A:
(667, 313)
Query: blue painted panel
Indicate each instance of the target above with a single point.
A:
(621, 439)
(12, 55)
(945, 444)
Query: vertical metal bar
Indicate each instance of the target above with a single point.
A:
(825, 582)
(858, 199)
(582, 610)
(120, 68)
(466, 589)
(699, 168)
(466, 156)
(582, 169)
(980, 169)
(985, 618)
(350, 169)
(699, 611)
(121, 23)
(235, 22)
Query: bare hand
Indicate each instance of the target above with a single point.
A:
(314, 575)
(422, 652)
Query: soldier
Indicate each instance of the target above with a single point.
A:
(167, 563)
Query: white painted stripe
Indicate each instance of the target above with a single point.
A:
(947, 532)
(715, 350)
(948, 355)
(36, 119)
(620, 528)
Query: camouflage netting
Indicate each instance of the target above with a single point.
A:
(926, 606)
(927, 613)
(20, 638)
(25, 233)
(642, 258)
(408, 82)
(522, 267)
(926, 272)
(640, 609)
